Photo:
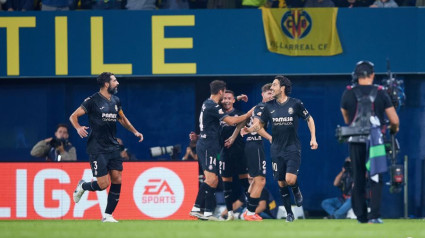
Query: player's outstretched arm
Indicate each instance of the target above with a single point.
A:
(81, 130)
(238, 119)
(312, 128)
(127, 125)
(242, 97)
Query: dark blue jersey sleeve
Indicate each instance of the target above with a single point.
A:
(261, 112)
(217, 112)
(87, 105)
(301, 111)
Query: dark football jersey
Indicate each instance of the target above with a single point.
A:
(227, 131)
(254, 136)
(284, 120)
(209, 123)
(103, 115)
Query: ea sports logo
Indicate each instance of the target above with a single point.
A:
(158, 192)
(296, 24)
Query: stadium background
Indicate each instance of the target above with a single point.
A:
(228, 45)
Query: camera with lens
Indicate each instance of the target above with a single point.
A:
(173, 151)
(122, 147)
(394, 88)
(56, 142)
(347, 165)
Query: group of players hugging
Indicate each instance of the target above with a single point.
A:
(230, 145)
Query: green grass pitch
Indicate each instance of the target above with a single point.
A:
(164, 229)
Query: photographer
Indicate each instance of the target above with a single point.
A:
(191, 152)
(56, 148)
(360, 104)
(338, 207)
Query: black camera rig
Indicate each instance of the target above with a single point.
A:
(343, 133)
(395, 89)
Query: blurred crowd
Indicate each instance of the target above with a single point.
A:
(65, 5)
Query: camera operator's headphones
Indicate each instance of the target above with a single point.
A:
(363, 69)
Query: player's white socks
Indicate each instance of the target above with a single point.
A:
(207, 214)
(230, 213)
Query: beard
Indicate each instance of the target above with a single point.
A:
(113, 90)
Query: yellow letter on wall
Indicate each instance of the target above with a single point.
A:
(61, 45)
(97, 65)
(12, 25)
(160, 43)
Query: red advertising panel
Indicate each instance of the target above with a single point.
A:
(150, 190)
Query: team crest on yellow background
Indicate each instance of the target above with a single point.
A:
(301, 31)
(296, 24)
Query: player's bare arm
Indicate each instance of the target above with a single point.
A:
(312, 128)
(242, 97)
(81, 130)
(127, 125)
(265, 135)
(232, 138)
(255, 127)
(238, 119)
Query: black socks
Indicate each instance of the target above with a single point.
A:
(227, 190)
(200, 198)
(209, 198)
(91, 186)
(286, 198)
(113, 198)
(252, 204)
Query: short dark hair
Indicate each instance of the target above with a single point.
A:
(284, 81)
(266, 87)
(364, 69)
(103, 78)
(216, 86)
(230, 91)
(62, 125)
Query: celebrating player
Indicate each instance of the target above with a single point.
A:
(283, 114)
(104, 110)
